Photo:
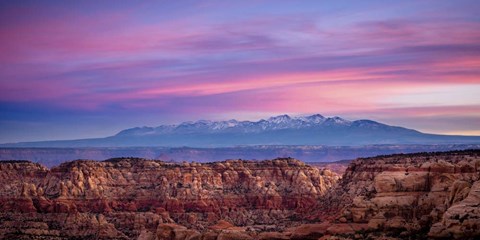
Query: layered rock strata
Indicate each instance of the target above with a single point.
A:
(434, 195)
(412, 196)
(131, 198)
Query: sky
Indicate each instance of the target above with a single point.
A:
(81, 69)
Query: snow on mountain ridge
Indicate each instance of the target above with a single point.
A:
(280, 119)
(316, 118)
(272, 123)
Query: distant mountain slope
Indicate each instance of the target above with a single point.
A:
(279, 130)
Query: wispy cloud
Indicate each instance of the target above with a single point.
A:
(212, 59)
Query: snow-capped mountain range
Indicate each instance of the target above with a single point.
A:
(280, 130)
(270, 124)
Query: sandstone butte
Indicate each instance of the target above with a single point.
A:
(411, 196)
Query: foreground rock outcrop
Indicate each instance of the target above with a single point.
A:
(434, 195)
(131, 198)
(411, 196)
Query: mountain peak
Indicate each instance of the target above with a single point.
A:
(280, 119)
(316, 116)
(204, 122)
(340, 120)
(315, 119)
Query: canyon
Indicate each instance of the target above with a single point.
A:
(403, 196)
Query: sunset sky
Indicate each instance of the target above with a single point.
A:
(78, 69)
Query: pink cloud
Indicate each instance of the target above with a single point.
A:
(263, 63)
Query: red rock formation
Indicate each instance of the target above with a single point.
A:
(125, 198)
(404, 195)
(412, 196)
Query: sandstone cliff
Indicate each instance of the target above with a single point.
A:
(434, 195)
(412, 196)
(130, 198)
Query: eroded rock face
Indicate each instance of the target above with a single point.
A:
(135, 198)
(462, 219)
(414, 196)
(404, 195)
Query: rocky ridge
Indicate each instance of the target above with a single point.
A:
(136, 198)
(425, 195)
(406, 196)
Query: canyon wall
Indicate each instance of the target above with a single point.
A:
(125, 198)
(435, 195)
(406, 196)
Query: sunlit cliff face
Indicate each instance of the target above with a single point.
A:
(104, 67)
